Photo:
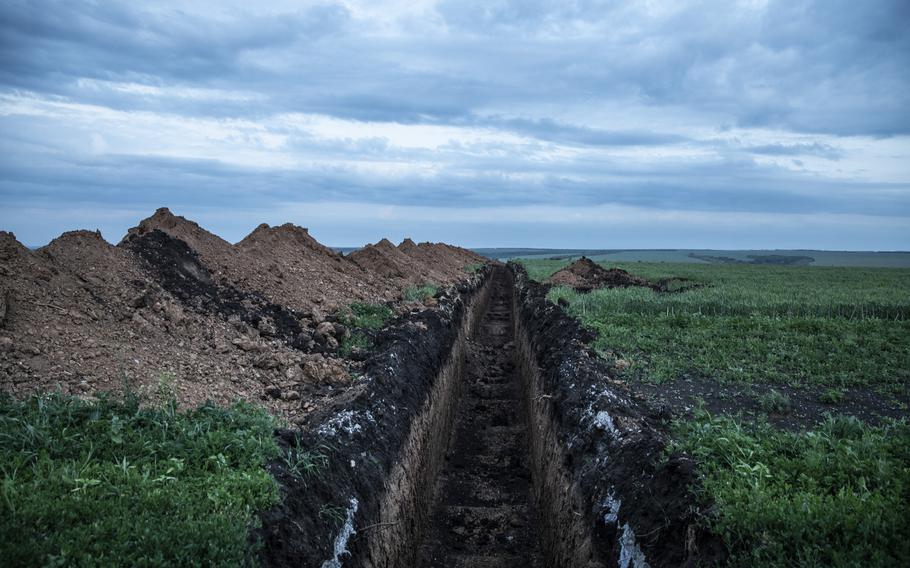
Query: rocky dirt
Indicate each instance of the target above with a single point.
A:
(174, 310)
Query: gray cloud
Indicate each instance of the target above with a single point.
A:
(611, 102)
(820, 150)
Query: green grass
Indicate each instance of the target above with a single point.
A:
(837, 327)
(368, 316)
(835, 496)
(363, 316)
(357, 340)
(109, 483)
(419, 293)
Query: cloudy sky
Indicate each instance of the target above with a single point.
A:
(588, 123)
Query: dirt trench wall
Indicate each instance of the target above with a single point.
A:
(604, 493)
(384, 442)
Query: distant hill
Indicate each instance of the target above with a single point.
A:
(898, 259)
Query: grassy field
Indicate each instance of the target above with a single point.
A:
(836, 327)
(109, 483)
(835, 493)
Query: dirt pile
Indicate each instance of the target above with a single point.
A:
(85, 317)
(216, 252)
(411, 264)
(290, 267)
(440, 261)
(284, 264)
(385, 260)
(584, 275)
(176, 310)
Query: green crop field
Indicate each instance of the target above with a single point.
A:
(107, 483)
(830, 492)
(836, 327)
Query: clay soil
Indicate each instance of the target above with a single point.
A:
(176, 311)
(483, 515)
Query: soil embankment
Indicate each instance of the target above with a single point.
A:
(585, 275)
(175, 311)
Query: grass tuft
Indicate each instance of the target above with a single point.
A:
(367, 316)
(419, 293)
(775, 402)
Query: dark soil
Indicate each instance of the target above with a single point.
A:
(363, 433)
(483, 516)
(180, 272)
(807, 405)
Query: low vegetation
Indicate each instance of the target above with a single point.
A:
(837, 327)
(368, 316)
(837, 495)
(419, 293)
(363, 318)
(104, 483)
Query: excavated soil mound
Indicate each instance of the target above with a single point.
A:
(412, 264)
(584, 275)
(81, 317)
(439, 262)
(284, 264)
(216, 251)
(290, 267)
(385, 260)
(176, 310)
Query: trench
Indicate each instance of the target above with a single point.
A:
(482, 512)
(481, 481)
(487, 433)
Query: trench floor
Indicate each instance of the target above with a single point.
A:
(482, 516)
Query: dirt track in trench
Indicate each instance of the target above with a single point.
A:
(482, 514)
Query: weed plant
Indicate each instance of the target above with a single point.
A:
(357, 340)
(368, 316)
(108, 483)
(419, 293)
(363, 316)
(776, 402)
